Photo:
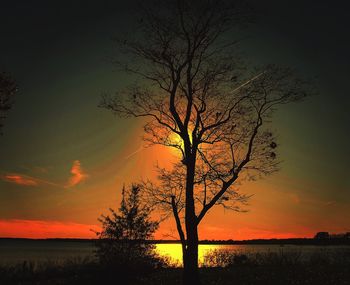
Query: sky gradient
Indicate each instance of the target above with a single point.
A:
(63, 161)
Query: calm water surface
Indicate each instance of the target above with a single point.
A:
(17, 251)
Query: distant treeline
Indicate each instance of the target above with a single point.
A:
(288, 241)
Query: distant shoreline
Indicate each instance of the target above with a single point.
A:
(288, 241)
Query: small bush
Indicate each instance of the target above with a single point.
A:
(124, 240)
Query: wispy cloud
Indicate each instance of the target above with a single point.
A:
(135, 152)
(296, 199)
(25, 180)
(330, 203)
(78, 175)
(36, 169)
(20, 179)
(39, 169)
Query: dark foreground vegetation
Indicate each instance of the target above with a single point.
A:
(220, 267)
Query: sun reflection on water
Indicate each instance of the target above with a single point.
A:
(174, 252)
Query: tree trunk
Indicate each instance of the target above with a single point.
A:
(190, 273)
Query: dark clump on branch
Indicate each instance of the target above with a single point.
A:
(8, 89)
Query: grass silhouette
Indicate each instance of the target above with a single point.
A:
(220, 267)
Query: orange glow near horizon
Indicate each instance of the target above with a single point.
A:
(279, 208)
(37, 229)
(45, 229)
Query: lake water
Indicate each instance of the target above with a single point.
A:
(17, 251)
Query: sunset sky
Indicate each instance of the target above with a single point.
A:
(63, 160)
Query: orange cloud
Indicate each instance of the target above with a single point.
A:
(20, 179)
(25, 180)
(78, 175)
(45, 229)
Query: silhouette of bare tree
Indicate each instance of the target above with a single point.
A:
(201, 100)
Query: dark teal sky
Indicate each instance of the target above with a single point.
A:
(60, 54)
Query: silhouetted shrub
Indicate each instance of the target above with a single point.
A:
(124, 240)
